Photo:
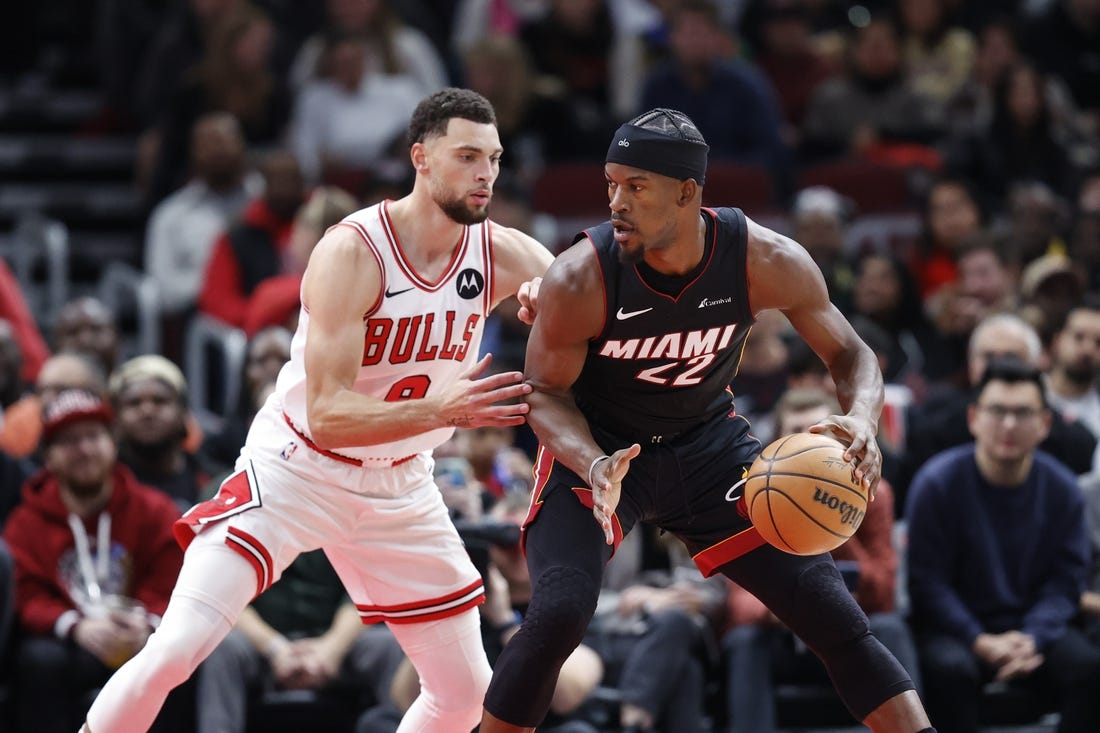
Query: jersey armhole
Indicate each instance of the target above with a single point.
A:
(358, 229)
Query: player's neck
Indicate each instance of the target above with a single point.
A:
(423, 230)
(683, 255)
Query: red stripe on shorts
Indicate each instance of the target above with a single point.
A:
(252, 550)
(709, 560)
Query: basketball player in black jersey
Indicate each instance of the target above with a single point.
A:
(639, 328)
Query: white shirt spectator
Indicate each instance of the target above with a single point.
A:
(181, 234)
(354, 128)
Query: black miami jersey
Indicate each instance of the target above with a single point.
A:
(663, 362)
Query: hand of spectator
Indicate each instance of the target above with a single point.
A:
(634, 599)
(107, 640)
(286, 665)
(320, 661)
(471, 402)
(999, 649)
(528, 297)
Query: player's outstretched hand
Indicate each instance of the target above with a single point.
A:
(528, 297)
(607, 485)
(863, 453)
(473, 402)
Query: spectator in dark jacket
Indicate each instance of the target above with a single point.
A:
(998, 556)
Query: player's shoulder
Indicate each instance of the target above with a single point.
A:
(577, 269)
(512, 239)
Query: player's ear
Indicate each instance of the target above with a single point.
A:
(418, 154)
(688, 189)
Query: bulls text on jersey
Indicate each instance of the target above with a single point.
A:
(418, 338)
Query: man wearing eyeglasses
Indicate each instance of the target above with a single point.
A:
(997, 562)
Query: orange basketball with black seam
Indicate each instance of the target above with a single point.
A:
(801, 495)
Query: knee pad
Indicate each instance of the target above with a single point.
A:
(825, 613)
(563, 601)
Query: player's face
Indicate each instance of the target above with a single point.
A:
(643, 212)
(461, 167)
(1008, 421)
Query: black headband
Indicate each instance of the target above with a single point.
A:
(653, 151)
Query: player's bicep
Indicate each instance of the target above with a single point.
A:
(340, 285)
(570, 313)
(517, 258)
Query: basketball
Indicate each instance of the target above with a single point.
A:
(801, 495)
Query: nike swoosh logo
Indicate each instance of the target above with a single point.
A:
(391, 293)
(623, 315)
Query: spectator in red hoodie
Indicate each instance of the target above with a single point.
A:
(254, 249)
(14, 309)
(95, 563)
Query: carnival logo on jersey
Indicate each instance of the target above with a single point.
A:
(707, 302)
(469, 283)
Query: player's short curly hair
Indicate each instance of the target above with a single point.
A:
(431, 116)
(669, 122)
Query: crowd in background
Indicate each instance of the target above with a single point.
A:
(260, 124)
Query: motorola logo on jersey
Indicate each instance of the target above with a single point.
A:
(469, 283)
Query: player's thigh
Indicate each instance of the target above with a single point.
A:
(564, 533)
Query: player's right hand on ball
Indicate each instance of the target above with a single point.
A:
(607, 484)
(473, 403)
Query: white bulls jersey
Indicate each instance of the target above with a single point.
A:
(418, 338)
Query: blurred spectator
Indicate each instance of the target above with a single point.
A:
(124, 33)
(1049, 287)
(761, 651)
(393, 48)
(276, 300)
(475, 20)
(821, 216)
(351, 117)
(1074, 373)
(1084, 240)
(179, 44)
(655, 629)
(14, 310)
(1037, 220)
(149, 396)
(762, 373)
(988, 272)
(871, 105)
(587, 48)
(952, 213)
(303, 633)
(1065, 40)
(95, 563)
(496, 462)
(940, 423)
(1021, 142)
(939, 55)
(233, 76)
(22, 427)
(783, 47)
(537, 123)
(886, 294)
(184, 226)
(255, 248)
(1090, 599)
(998, 556)
(86, 326)
(267, 351)
(733, 105)
(12, 384)
(7, 595)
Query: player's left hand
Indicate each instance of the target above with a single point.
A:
(528, 297)
(607, 487)
(862, 454)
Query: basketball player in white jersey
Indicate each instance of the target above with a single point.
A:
(383, 368)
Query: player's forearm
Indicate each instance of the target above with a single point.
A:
(563, 430)
(349, 418)
(859, 384)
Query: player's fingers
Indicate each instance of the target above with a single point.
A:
(526, 315)
(620, 462)
(478, 368)
(497, 381)
(502, 394)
